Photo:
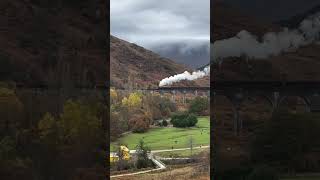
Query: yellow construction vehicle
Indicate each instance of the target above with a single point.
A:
(125, 154)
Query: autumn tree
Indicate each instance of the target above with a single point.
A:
(130, 105)
(12, 165)
(140, 122)
(11, 110)
(47, 125)
(113, 95)
(159, 106)
(49, 145)
(137, 111)
(80, 123)
(75, 138)
(133, 101)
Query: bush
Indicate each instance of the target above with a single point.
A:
(164, 123)
(184, 120)
(199, 106)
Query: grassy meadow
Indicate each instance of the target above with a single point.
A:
(168, 137)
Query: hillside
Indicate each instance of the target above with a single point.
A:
(294, 21)
(227, 21)
(301, 64)
(133, 66)
(61, 43)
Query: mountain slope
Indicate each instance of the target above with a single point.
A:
(227, 21)
(58, 43)
(295, 21)
(133, 66)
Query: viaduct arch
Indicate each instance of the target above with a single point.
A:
(275, 92)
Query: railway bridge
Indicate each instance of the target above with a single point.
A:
(237, 92)
(184, 91)
(275, 92)
(174, 91)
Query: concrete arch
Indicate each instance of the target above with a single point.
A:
(268, 98)
(306, 101)
(254, 110)
(228, 98)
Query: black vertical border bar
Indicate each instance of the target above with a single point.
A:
(106, 119)
(212, 118)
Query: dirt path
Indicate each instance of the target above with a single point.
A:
(156, 160)
(190, 172)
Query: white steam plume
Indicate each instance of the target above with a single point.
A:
(273, 43)
(244, 43)
(185, 76)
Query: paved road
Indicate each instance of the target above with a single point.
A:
(180, 149)
(160, 166)
(156, 160)
(169, 150)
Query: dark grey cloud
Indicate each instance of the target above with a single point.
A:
(178, 29)
(274, 10)
(194, 53)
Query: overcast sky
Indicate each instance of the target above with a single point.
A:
(274, 10)
(178, 29)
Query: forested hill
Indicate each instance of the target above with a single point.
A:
(52, 43)
(135, 66)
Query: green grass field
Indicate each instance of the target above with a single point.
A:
(166, 138)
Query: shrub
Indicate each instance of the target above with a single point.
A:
(164, 123)
(183, 120)
(158, 123)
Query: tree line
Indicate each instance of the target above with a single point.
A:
(69, 145)
(136, 112)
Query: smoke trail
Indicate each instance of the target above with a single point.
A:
(244, 43)
(185, 76)
(273, 43)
